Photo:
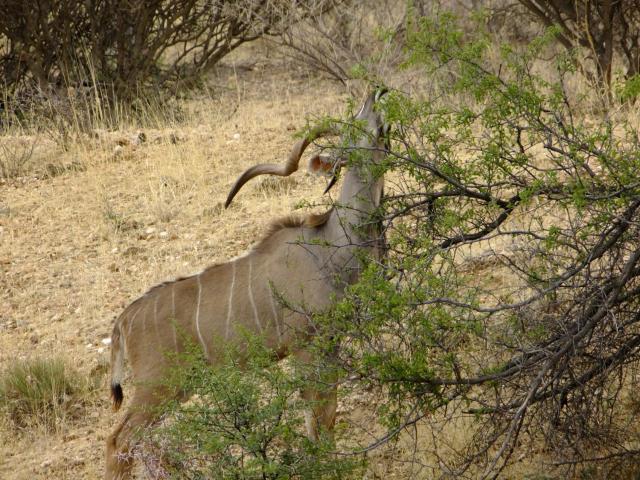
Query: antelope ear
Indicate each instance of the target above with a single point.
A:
(321, 165)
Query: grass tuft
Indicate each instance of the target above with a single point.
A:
(42, 392)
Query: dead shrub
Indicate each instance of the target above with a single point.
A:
(348, 39)
(122, 47)
(14, 159)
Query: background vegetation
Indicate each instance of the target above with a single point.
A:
(126, 47)
(507, 306)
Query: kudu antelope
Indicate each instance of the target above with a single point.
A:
(307, 261)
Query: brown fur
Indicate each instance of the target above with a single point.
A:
(153, 289)
(145, 329)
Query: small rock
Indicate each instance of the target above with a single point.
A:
(161, 234)
(100, 350)
(46, 464)
(106, 341)
(149, 230)
(168, 181)
(236, 136)
(69, 436)
(131, 251)
(34, 338)
(138, 138)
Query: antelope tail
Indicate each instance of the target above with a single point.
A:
(117, 366)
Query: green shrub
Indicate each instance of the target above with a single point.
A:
(246, 421)
(510, 295)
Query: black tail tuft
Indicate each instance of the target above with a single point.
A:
(116, 395)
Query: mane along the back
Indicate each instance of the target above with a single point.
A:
(313, 220)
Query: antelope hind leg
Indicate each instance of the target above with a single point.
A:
(142, 412)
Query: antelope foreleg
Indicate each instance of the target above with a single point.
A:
(322, 394)
(321, 417)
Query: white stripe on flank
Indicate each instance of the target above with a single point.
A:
(131, 319)
(174, 320)
(124, 343)
(230, 302)
(275, 313)
(144, 318)
(155, 318)
(253, 303)
(204, 346)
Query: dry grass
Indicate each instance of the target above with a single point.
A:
(43, 393)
